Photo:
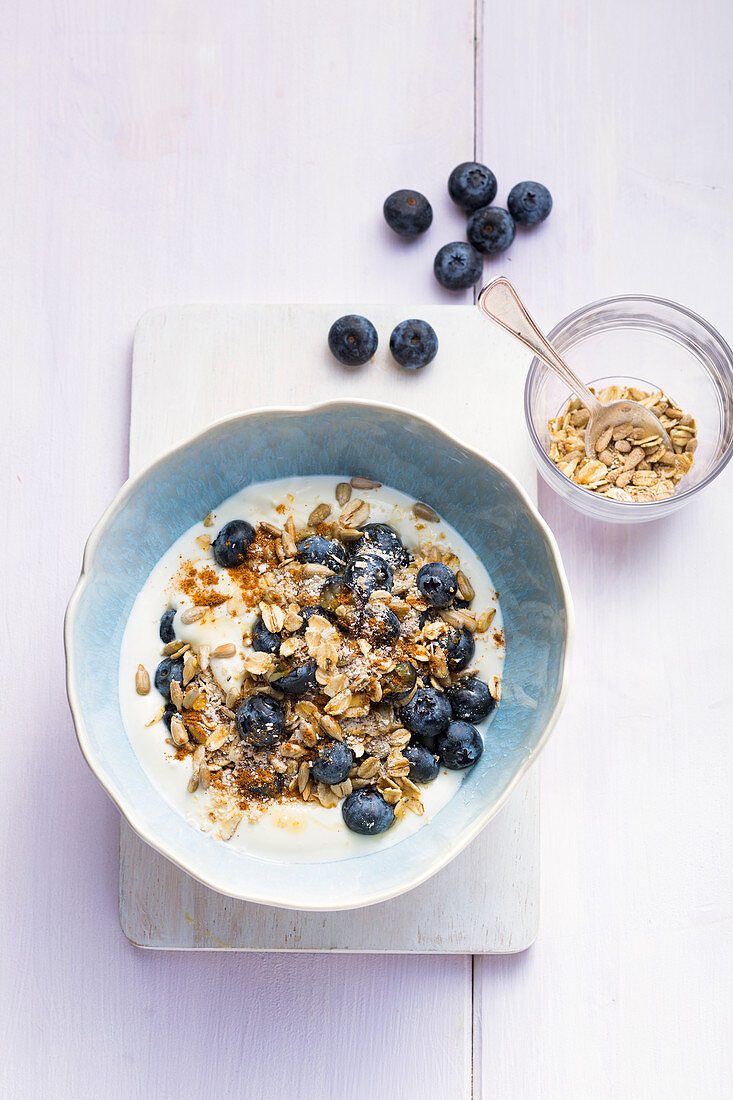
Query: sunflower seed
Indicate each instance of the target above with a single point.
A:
(313, 569)
(424, 511)
(193, 783)
(343, 493)
(319, 515)
(189, 668)
(365, 483)
(204, 541)
(192, 615)
(179, 734)
(348, 534)
(175, 648)
(226, 650)
(209, 520)
(231, 699)
(176, 694)
(464, 586)
(142, 680)
(204, 777)
(330, 727)
(271, 529)
(485, 620)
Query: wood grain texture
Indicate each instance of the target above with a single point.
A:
(628, 121)
(240, 151)
(177, 152)
(195, 364)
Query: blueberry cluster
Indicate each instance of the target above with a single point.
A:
(490, 229)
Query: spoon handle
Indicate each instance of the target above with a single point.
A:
(500, 301)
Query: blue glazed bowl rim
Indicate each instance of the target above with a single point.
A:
(119, 796)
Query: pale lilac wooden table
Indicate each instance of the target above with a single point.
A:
(176, 152)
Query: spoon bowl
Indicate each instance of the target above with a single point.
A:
(500, 302)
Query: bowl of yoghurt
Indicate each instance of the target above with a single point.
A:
(312, 651)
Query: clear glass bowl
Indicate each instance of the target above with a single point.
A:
(651, 344)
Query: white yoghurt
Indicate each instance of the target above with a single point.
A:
(284, 831)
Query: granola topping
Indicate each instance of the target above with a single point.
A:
(334, 675)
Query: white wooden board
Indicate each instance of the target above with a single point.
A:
(193, 364)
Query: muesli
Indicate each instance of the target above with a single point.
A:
(311, 656)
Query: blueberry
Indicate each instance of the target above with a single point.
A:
(491, 229)
(168, 712)
(317, 550)
(407, 212)
(232, 543)
(457, 265)
(259, 721)
(471, 700)
(459, 648)
(472, 185)
(529, 203)
(460, 746)
(352, 340)
(298, 680)
(166, 671)
(166, 631)
(365, 811)
(424, 766)
(258, 780)
(340, 600)
(398, 684)
(263, 640)
(368, 572)
(413, 344)
(437, 583)
(427, 713)
(380, 625)
(334, 763)
(382, 540)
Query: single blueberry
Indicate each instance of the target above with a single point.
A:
(166, 631)
(380, 625)
(365, 811)
(298, 680)
(168, 712)
(398, 684)
(258, 780)
(437, 583)
(317, 550)
(491, 229)
(460, 746)
(340, 600)
(407, 212)
(459, 648)
(166, 671)
(413, 343)
(333, 764)
(427, 713)
(424, 766)
(457, 265)
(232, 543)
(471, 700)
(263, 640)
(352, 340)
(529, 203)
(368, 572)
(472, 185)
(382, 540)
(260, 721)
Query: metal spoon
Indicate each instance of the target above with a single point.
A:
(500, 301)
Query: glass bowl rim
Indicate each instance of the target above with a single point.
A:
(578, 314)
